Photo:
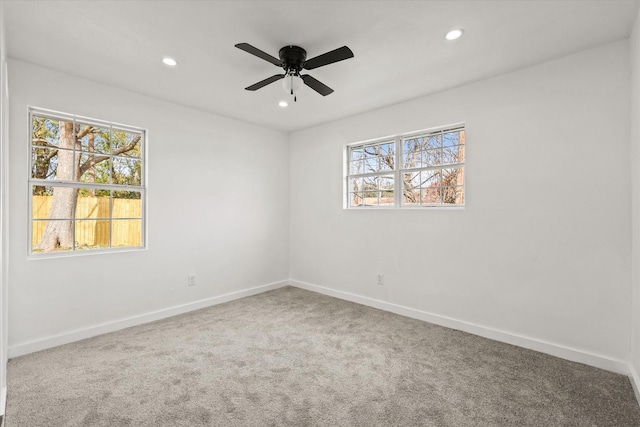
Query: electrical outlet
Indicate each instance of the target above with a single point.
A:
(191, 280)
(380, 279)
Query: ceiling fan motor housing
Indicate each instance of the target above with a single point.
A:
(293, 58)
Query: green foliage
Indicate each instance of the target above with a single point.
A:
(104, 155)
(44, 128)
(44, 163)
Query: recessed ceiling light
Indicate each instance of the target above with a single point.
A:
(453, 34)
(169, 61)
(283, 104)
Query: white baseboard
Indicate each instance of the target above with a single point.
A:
(3, 400)
(574, 355)
(635, 381)
(79, 334)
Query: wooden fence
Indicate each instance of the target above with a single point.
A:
(92, 221)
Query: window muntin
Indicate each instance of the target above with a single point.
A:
(431, 171)
(86, 184)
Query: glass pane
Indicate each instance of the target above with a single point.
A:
(126, 143)
(386, 198)
(355, 184)
(386, 163)
(126, 171)
(52, 210)
(44, 162)
(127, 204)
(94, 167)
(355, 154)
(431, 178)
(93, 139)
(412, 149)
(41, 201)
(412, 160)
(411, 180)
(45, 132)
(432, 157)
(452, 195)
(374, 200)
(370, 183)
(451, 155)
(412, 144)
(50, 227)
(92, 205)
(460, 195)
(52, 202)
(356, 199)
(387, 149)
(410, 197)
(126, 232)
(52, 133)
(370, 164)
(452, 177)
(385, 182)
(386, 156)
(451, 138)
(92, 234)
(356, 167)
(370, 153)
(370, 198)
(52, 163)
(430, 195)
(37, 230)
(434, 141)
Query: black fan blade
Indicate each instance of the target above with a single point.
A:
(260, 54)
(265, 82)
(319, 87)
(336, 55)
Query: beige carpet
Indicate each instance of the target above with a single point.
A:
(297, 358)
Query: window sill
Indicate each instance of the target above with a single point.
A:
(72, 254)
(406, 208)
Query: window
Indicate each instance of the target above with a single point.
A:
(416, 170)
(86, 184)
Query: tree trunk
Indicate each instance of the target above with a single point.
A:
(58, 233)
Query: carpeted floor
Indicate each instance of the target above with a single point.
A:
(297, 358)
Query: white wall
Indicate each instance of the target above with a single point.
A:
(635, 197)
(3, 214)
(218, 207)
(542, 249)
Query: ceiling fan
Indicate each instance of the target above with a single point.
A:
(293, 59)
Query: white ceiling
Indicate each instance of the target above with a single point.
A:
(400, 51)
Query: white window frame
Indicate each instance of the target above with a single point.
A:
(142, 188)
(398, 172)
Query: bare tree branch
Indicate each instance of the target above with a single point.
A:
(94, 160)
(42, 142)
(84, 131)
(51, 155)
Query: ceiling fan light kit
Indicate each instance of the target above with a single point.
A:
(293, 59)
(292, 84)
